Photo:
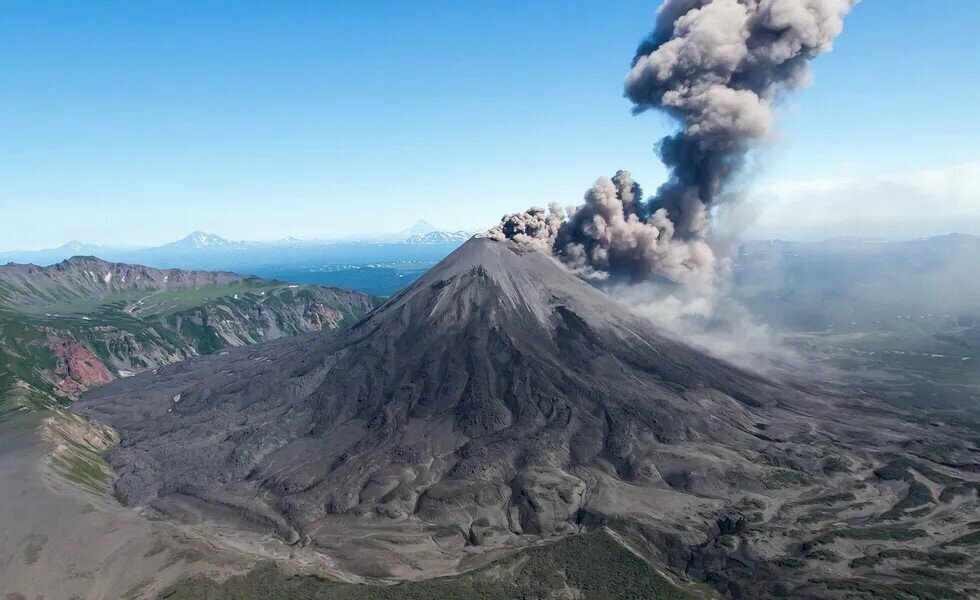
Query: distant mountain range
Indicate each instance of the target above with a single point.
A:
(439, 237)
(795, 284)
(204, 250)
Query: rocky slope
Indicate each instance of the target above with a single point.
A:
(499, 401)
(76, 283)
(84, 322)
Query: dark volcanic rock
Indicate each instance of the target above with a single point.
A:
(500, 400)
(493, 371)
(496, 398)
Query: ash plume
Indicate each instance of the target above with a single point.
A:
(534, 228)
(613, 234)
(717, 67)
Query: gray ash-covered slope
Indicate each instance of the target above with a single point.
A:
(498, 395)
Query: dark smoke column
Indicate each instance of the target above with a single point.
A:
(718, 67)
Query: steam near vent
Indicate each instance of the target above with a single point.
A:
(717, 67)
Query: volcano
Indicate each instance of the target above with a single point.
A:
(499, 397)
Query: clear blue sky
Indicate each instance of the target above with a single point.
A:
(137, 122)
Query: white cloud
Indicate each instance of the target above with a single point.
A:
(893, 205)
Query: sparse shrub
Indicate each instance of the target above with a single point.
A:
(789, 562)
(785, 478)
(826, 555)
(836, 464)
(828, 499)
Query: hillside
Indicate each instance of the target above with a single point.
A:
(597, 566)
(84, 321)
(499, 402)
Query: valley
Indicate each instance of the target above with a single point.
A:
(84, 322)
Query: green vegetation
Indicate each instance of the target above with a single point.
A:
(595, 564)
(891, 591)
(896, 533)
(789, 562)
(785, 478)
(942, 452)
(829, 499)
(836, 464)
(970, 539)
(77, 450)
(918, 493)
(32, 550)
(867, 561)
(138, 329)
(924, 574)
(22, 353)
(825, 554)
(899, 469)
(936, 558)
(965, 489)
(952, 491)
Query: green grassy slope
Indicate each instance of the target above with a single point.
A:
(137, 329)
(595, 566)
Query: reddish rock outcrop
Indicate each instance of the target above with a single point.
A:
(78, 369)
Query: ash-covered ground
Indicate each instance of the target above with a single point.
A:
(500, 402)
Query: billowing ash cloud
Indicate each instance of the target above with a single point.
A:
(534, 228)
(611, 233)
(718, 67)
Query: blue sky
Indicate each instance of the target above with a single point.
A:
(137, 122)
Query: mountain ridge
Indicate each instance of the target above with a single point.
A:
(199, 240)
(84, 321)
(503, 397)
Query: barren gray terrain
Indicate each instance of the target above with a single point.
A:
(60, 540)
(499, 401)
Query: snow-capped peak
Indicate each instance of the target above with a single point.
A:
(439, 237)
(202, 239)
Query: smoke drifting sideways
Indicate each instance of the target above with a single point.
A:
(718, 68)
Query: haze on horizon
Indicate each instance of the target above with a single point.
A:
(137, 124)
